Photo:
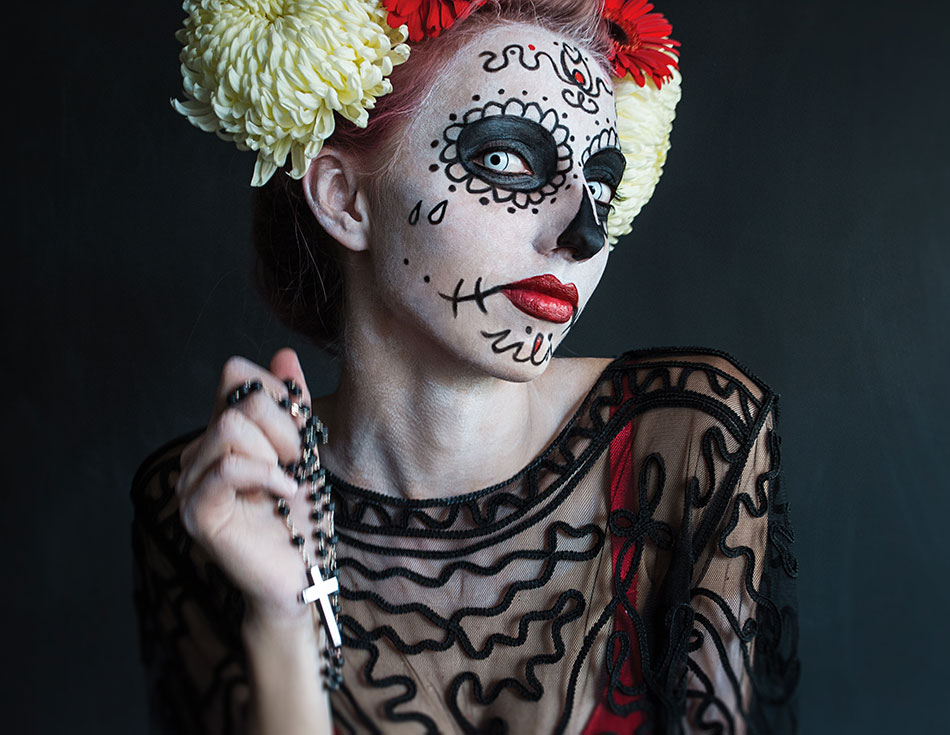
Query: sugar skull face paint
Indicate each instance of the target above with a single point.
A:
(492, 231)
(513, 151)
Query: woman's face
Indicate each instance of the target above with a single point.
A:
(491, 232)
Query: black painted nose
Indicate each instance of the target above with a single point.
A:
(584, 235)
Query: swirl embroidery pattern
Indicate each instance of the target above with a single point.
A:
(636, 576)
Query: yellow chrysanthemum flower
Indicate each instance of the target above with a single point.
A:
(269, 74)
(644, 122)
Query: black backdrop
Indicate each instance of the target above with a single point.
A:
(801, 225)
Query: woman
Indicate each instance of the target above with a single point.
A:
(497, 540)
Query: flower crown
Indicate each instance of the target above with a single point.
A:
(269, 76)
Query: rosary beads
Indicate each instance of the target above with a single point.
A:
(324, 586)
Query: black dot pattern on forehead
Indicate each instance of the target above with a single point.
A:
(484, 200)
(511, 210)
(501, 91)
(405, 261)
(434, 167)
(453, 116)
(527, 330)
(476, 97)
(426, 279)
(452, 187)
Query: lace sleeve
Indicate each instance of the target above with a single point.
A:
(741, 660)
(702, 516)
(189, 614)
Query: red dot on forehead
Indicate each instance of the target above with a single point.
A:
(578, 77)
(531, 47)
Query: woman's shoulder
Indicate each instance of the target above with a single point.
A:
(678, 386)
(657, 363)
(686, 360)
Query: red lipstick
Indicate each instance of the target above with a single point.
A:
(544, 297)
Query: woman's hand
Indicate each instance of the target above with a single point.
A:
(229, 481)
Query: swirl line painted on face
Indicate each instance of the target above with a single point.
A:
(516, 348)
(572, 68)
(523, 132)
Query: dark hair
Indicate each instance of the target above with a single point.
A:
(298, 269)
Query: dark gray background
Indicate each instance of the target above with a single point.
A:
(801, 225)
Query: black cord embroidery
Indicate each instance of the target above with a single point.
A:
(540, 604)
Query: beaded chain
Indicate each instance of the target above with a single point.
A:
(308, 470)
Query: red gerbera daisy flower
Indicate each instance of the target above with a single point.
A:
(427, 18)
(641, 41)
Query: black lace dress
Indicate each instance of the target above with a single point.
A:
(636, 577)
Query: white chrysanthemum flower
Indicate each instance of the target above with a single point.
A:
(644, 121)
(269, 74)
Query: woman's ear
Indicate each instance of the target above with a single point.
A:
(335, 194)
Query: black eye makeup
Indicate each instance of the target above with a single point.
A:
(604, 165)
(513, 152)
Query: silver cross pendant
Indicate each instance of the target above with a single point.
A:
(319, 591)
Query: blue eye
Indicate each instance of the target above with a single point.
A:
(504, 162)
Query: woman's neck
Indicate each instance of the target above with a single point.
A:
(406, 420)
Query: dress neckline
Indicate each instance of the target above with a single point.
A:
(352, 491)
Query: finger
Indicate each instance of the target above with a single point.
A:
(228, 479)
(285, 364)
(238, 370)
(280, 428)
(233, 432)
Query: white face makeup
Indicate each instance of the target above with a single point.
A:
(492, 234)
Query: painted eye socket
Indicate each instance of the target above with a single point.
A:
(601, 191)
(504, 162)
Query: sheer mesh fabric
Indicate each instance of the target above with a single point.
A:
(636, 577)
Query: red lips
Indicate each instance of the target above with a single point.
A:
(544, 297)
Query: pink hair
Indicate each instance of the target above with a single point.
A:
(417, 78)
